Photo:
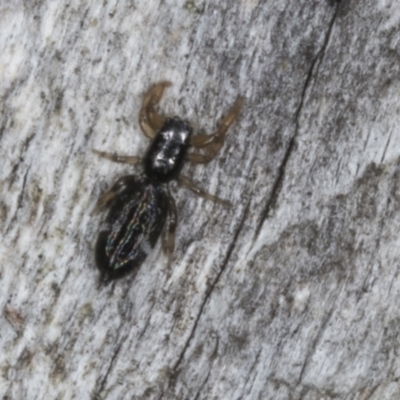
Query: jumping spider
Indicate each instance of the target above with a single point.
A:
(139, 205)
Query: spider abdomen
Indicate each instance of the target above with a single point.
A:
(132, 227)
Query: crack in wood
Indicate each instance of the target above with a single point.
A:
(316, 340)
(112, 362)
(213, 356)
(208, 295)
(381, 224)
(20, 162)
(277, 185)
(19, 201)
(244, 396)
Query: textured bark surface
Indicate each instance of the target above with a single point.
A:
(290, 294)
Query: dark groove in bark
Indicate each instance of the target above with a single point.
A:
(208, 295)
(209, 371)
(282, 168)
(113, 360)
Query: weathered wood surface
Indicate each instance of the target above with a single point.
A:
(292, 293)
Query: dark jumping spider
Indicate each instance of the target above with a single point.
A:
(139, 205)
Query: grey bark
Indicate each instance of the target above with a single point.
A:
(290, 294)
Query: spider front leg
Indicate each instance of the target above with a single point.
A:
(132, 160)
(150, 121)
(168, 243)
(188, 184)
(212, 143)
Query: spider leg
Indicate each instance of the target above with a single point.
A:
(105, 199)
(108, 197)
(150, 121)
(132, 160)
(188, 184)
(168, 243)
(212, 143)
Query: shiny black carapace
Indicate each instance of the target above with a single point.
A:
(139, 205)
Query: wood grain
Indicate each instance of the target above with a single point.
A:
(293, 292)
